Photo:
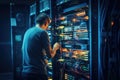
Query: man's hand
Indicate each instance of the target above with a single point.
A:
(56, 46)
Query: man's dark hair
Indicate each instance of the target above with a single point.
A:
(42, 18)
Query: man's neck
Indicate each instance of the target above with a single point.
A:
(37, 25)
(42, 26)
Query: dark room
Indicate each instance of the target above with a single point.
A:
(59, 40)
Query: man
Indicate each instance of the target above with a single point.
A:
(36, 49)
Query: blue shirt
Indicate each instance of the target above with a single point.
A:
(35, 40)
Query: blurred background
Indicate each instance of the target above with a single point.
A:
(88, 31)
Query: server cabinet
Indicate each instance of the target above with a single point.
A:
(72, 27)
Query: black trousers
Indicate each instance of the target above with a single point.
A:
(32, 76)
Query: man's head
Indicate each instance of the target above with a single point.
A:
(43, 20)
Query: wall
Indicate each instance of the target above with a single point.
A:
(5, 32)
(5, 50)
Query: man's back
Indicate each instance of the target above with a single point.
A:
(33, 43)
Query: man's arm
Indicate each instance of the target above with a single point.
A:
(46, 46)
(55, 48)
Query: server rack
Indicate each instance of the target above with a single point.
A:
(19, 25)
(32, 15)
(72, 26)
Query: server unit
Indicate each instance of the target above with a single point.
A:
(32, 15)
(73, 31)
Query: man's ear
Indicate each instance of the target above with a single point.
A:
(45, 23)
